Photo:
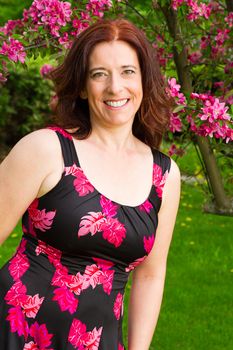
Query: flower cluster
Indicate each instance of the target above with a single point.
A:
(96, 7)
(174, 90)
(10, 26)
(14, 50)
(195, 10)
(213, 119)
(51, 13)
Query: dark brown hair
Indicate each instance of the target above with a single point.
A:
(71, 111)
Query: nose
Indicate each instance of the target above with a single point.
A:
(115, 83)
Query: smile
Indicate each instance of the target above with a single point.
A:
(115, 104)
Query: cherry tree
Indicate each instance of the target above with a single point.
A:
(193, 40)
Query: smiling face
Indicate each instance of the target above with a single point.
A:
(113, 86)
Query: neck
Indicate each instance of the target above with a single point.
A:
(113, 139)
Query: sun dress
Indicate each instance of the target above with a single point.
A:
(64, 287)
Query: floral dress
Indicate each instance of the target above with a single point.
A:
(64, 287)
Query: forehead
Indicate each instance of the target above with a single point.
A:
(116, 52)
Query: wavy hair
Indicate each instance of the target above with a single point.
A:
(71, 111)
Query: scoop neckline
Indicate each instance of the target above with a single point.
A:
(101, 194)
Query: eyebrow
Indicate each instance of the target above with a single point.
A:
(103, 68)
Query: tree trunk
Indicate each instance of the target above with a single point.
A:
(229, 4)
(221, 203)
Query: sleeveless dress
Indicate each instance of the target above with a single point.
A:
(64, 287)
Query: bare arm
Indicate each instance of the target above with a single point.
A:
(24, 174)
(148, 278)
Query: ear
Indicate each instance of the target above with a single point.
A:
(83, 94)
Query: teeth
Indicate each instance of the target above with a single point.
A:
(116, 103)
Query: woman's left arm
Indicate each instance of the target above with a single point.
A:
(148, 278)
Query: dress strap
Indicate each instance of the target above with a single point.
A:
(67, 146)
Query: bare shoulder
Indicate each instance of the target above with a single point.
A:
(40, 145)
(171, 191)
(174, 171)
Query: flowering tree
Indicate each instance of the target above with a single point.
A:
(193, 40)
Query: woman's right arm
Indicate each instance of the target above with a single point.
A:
(23, 173)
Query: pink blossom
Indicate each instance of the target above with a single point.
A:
(10, 26)
(120, 347)
(41, 335)
(45, 69)
(146, 206)
(18, 266)
(14, 50)
(148, 243)
(53, 14)
(222, 36)
(118, 305)
(194, 57)
(17, 321)
(2, 78)
(31, 305)
(175, 150)
(91, 223)
(135, 264)
(113, 231)
(174, 89)
(65, 299)
(175, 123)
(65, 41)
(109, 208)
(39, 218)
(229, 19)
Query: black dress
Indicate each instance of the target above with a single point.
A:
(64, 287)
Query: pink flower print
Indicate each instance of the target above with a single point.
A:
(40, 219)
(120, 347)
(60, 277)
(65, 299)
(16, 293)
(135, 264)
(30, 346)
(54, 255)
(106, 280)
(77, 329)
(159, 179)
(148, 243)
(103, 264)
(17, 321)
(31, 305)
(75, 283)
(41, 336)
(91, 276)
(146, 206)
(82, 340)
(22, 246)
(91, 339)
(91, 223)
(61, 131)
(18, 266)
(81, 183)
(109, 209)
(118, 305)
(113, 231)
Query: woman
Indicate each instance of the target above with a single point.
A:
(94, 192)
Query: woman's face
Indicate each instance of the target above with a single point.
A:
(113, 86)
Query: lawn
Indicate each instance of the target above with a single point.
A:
(197, 307)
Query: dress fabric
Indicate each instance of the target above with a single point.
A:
(63, 289)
